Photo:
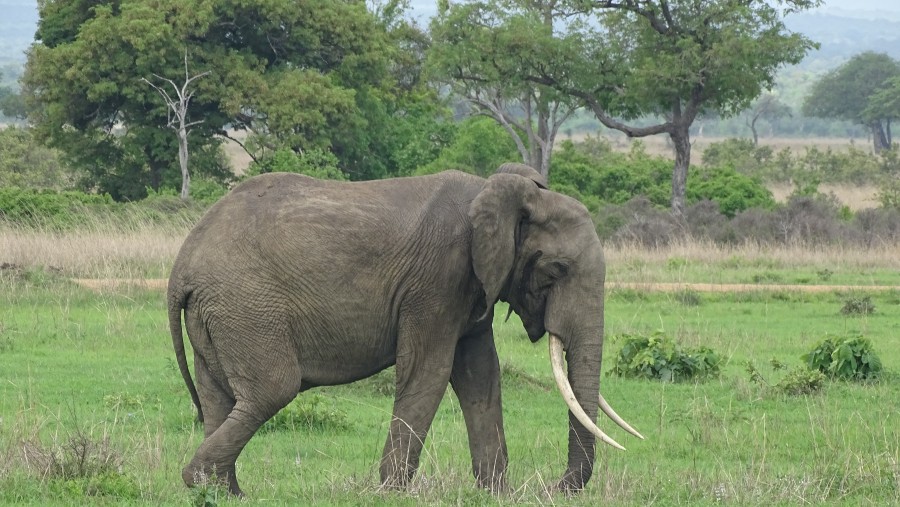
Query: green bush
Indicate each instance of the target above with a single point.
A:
(848, 358)
(658, 357)
(731, 190)
(307, 412)
(801, 381)
(24, 162)
(738, 154)
(858, 306)
(28, 204)
(315, 162)
(596, 176)
(478, 146)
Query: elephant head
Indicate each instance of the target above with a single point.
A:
(538, 251)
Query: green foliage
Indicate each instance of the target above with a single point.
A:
(593, 174)
(208, 494)
(598, 176)
(307, 412)
(658, 357)
(808, 169)
(732, 191)
(207, 190)
(18, 204)
(327, 76)
(26, 163)
(316, 163)
(858, 306)
(801, 381)
(479, 146)
(846, 91)
(738, 154)
(851, 358)
(796, 382)
(82, 466)
(865, 90)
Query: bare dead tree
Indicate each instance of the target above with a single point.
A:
(178, 117)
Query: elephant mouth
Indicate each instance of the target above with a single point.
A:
(568, 394)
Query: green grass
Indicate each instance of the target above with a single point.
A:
(77, 366)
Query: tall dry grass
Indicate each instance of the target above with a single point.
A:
(142, 248)
(129, 245)
(884, 256)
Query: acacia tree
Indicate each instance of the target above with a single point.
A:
(768, 107)
(647, 67)
(478, 48)
(852, 92)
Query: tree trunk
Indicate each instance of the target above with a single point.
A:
(753, 129)
(183, 162)
(890, 140)
(878, 137)
(681, 138)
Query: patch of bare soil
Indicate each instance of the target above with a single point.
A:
(161, 283)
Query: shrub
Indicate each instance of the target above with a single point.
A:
(81, 466)
(738, 154)
(801, 381)
(858, 306)
(27, 204)
(307, 412)
(314, 162)
(479, 146)
(659, 357)
(732, 191)
(848, 358)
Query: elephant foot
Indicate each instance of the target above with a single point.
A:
(496, 485)
(194, 476)
(572, 482)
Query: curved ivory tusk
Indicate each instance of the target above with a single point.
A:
(556, 360)
(604, 406)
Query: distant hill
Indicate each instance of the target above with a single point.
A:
(842, 37)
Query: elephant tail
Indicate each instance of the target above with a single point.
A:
(177, 300)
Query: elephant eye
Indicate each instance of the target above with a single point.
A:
(557, 270)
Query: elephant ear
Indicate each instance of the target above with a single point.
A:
(506, 203)
(524, 170)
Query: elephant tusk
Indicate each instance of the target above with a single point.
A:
(604, 406)
(556, 360)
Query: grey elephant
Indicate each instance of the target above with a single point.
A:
(290, 283)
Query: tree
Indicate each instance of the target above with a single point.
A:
(647, 67)
(477, 50)
(11, 103)
(295, 75)
(851, 92)
(885, 103)
(767, 107)
(178, 120)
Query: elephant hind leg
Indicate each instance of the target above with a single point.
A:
(257, 400)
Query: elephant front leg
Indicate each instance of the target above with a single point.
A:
(423, 372)
(476, 380)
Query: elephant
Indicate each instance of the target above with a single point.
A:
(289, 283)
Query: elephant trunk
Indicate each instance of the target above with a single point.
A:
(581, 390)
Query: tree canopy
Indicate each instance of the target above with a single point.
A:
(302, 76)
(645, 67)
(860, 91)
(478, 49)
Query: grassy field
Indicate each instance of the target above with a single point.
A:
(93, 410)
